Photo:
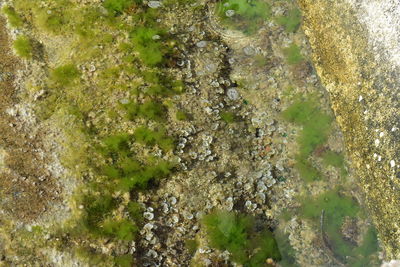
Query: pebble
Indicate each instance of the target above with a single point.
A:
(392, 163)
(148, 215)
(154, 4)
(201, 44)
(232, 94)
(248, 51)
(230, 12)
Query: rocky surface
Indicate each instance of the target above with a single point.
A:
(244, 162)
(355, 50)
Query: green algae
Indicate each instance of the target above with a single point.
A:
(248, 16)
(228, 117)
(330, 210)
(146, 136)
(291, 21)
(235, 233)
(65, 75)
(316, 125)
(293, 54)
(12, 16)
(23, 47)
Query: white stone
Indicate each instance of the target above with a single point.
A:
(392, 163)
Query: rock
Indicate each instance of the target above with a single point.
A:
(154, 4)
(201, 44)
(232, 94)
(230, 12)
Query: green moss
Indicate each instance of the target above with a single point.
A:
(235, 233)
(149, 137)
(97, 208)
(248, 16)
(116, 7)
(120, 229)
(181, 115)
(117, 143)
(13, 18)
(23, 47)
(149, 174)
(191, 245)
(291, 21)
(287, 251)
(150, 50)
(228, 117)
(124, 261)
(331, 158)
(316, 124)
(135, 211)
(293, 54)
(52, 21)
(336, 207)
(152, 110)
(306, 170)
(64, 75)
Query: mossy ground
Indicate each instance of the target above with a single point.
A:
(235, 233)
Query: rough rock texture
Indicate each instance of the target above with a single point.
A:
(355, 47)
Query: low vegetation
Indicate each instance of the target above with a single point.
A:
(335, 208)
(236, 233)
(293, 54)
(291, 21)
(243, 15)
(12, 16)
(23, 47)
(316, 125)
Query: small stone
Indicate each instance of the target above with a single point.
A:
(201, 44)
(377, 142)
(175, 218)
(124, 101)
(230, 13)
(392, 163)
(232, 94)
(381, 134)
(249, 51)
(156, 37)
(148, 215)
(173, 200)
(154, 4)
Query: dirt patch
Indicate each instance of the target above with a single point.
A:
(25, 185)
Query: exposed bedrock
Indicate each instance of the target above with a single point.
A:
(356, 51)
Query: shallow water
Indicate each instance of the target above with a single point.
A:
(182, 133)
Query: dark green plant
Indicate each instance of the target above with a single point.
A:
(151, 51)
(120, 229)
(293, 54)
(228, 117)
(13, 18)
(181, 115)
(124, 261)
(316, 124)
(149, 137)
(235, 233)
(336, 207)
(97, 208)
(23, 47)
(248, 16)
(191, 245)
(116, 7)
(152, 110)
(291, 21)
(53, 21)
(331, 158)
(65, 75)
(149, 174)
